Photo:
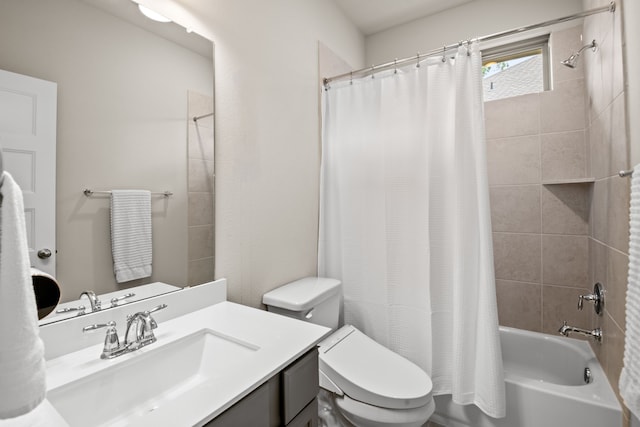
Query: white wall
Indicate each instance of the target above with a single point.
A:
(474, 19)
(267, 132)
(267, 137)
(122, 123)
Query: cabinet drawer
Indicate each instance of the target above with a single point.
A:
(299, 384)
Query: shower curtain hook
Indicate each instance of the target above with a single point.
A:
(469, 41)
(395, 66)
(418, 60)
(351, 77)
(373, 74)
(444, 54)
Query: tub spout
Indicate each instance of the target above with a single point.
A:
(566, 330)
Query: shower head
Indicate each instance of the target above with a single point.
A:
(573, 59)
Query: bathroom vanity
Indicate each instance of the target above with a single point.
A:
(215, 363)
(289, 398)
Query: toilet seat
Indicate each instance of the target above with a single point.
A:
(370, 373)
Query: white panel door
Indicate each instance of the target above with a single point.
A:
(28, 142)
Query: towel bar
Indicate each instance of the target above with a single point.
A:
(88, 192)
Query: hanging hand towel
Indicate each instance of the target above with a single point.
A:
(131, 234)
(630, 376)
(22, 364)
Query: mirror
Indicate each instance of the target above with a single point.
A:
(127, 90)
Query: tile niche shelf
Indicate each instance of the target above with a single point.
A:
(569, 181)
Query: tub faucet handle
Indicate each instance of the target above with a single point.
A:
(581, 299)
(597, 297)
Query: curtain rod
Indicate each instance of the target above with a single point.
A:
(370, 70)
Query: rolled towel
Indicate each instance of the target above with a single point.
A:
(22, 364)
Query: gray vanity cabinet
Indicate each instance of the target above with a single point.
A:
(286, 399)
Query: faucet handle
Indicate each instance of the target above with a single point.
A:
(111, 340)
(597, 297)
(156, 308)
(95, 326)
(80, 309)
(152, 322)
(116, 300)
(148, 312)
(580, 302)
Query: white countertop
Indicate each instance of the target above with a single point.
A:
(280, 339)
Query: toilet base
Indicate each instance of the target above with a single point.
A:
(349, 412)
(328, 412)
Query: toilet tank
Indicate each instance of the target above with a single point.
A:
(312, 299)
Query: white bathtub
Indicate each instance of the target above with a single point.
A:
(545, 387)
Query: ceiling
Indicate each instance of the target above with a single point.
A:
(372, 16)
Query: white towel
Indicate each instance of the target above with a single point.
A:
(131, 234)
(22, 364)
(630, 376)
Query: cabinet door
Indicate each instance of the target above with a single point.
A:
(252, 411)
(308, 417)
(299, 384)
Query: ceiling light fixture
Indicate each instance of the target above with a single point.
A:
(152, 15)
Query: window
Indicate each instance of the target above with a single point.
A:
(516, 68)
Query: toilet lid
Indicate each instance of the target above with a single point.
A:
(369, 372)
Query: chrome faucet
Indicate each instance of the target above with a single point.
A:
(95, 302)
(566, 330)
(140, 328)
(139, 333)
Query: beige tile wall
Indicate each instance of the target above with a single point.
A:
(541, 232)
(201, 173)
(609, 153)
(553, 242)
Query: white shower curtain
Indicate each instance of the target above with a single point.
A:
(405, 221)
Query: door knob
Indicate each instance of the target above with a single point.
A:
(44, 253)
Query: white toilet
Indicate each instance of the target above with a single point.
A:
(371, 385)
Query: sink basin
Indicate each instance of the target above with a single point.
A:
(149, 379)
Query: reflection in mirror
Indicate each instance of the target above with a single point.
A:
(88, 303)
(127, 90)
(47, 292)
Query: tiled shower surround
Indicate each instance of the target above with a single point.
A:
(541, 231)
(553, 241)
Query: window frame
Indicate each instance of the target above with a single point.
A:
(522, 48)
